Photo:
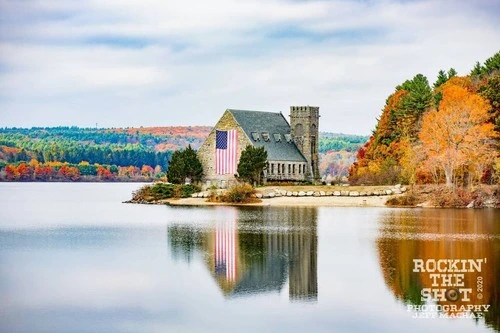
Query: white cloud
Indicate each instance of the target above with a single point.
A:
(131, 63)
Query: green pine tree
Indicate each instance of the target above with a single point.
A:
(252, 162)
(184, 164)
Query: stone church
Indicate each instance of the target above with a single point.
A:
(292, 148)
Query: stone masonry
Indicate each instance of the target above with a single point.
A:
(206, 153)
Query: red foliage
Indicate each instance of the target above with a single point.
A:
(11, 172)
(44, 172)
(147, 170)
(68, 172)
(24, 171)
(104, 173)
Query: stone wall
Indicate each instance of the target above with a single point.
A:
(206, 153)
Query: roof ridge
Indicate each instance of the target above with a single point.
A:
(260, 111)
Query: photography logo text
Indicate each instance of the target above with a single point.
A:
(455, 291)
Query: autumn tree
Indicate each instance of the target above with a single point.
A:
(24, 171)
(147, 171)
(458, 134)
(104, 172)
(252, 162)
(11, 172)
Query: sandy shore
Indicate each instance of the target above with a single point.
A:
(330, 201)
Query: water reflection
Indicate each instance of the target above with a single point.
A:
(406, 235)
(255, 250)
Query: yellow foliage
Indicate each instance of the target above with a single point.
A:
(373, 167)
(458, 134)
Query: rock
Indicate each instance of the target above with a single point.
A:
(302, 194)
(316, 194)
(310, 193)
(194, 195)
(272, 195)
(259, 195)
(403, 189)
(369, 194)
(354, 194)
(329, 193)
(388, 192)
(336, 193)
(344, 193)
(396, 191)
(471, 204)
(284, 192)
(265, 196)
(289, 194)
(362, 194)
(278, 194)
(489, 203)
(295, 194)
(398, 186)
(206, 194)
(322, 193)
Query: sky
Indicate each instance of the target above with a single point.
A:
(130, 63)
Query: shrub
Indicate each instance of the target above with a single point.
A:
(240, 193)
(451, 197)
(185, 191)
(160, 191)
(409, 199)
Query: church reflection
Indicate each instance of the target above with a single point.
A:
(405, 235)
(256, 250)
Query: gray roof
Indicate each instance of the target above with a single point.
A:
(271, 123)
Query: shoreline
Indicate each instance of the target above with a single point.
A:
(367, 196)
(330, 201)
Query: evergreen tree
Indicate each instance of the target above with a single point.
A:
(477, 70)
(253, 161)
(184, 164)
(442, 78)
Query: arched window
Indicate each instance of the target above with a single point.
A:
(299, 130)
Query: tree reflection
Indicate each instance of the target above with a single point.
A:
(255, 250)
(405, 235)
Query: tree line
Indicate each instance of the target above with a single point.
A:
(447, 133)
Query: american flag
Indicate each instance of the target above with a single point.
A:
(226, 249)
(226, 143)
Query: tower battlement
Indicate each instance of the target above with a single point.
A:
(304, 123)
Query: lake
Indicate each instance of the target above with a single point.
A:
(75, 259)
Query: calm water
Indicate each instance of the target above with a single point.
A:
(75, 259)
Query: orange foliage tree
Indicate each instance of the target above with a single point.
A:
(69, 172)
(24, 171)
(104, 173)
(11, 172)
(147, 170)
(458, 133)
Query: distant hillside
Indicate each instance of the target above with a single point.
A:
(137, 147)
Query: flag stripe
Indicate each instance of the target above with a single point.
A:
(225, 249)
(226, 144)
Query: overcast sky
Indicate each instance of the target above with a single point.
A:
(122, 63)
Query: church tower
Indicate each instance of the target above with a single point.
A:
(304, 122)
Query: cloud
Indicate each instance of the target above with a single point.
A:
(132, 63)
